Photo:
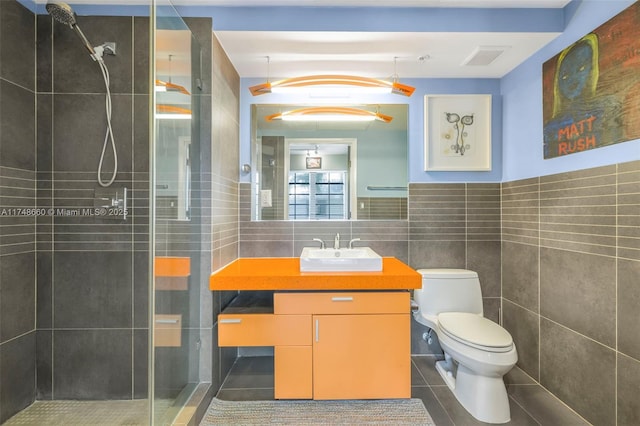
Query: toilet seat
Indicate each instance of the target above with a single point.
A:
(475, 331)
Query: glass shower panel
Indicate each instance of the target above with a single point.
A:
(175, 147)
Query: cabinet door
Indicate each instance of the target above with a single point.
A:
(361, 356)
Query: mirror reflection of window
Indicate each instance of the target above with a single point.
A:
(318, 195)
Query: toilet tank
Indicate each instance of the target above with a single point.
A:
(449, 290)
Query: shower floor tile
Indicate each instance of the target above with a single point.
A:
(83, 413)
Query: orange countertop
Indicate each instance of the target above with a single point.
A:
(283, 273)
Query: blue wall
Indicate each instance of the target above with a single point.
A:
(522, 104)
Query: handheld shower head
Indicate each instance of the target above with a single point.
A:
(64, 14)
(61, 12)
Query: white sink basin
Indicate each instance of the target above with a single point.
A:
(359, 259)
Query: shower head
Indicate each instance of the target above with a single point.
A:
(61, 12)
(64, 14)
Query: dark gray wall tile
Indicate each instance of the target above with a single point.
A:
(92, 289)
(491, 308)
(73, 69)
(520, 211)
(543, 406)
(141, 137)
(484, 258)
(44, 304)
(520, 265)
(17, 295)
(304, 232)
(567, 362)
(140, 364)
(387, 238)
(92, 364)
(17, 127)
(483, 212)
(577, 287)
(44, 364)
(420, 346)
(141, 289)
(17, 40)
(44, 51)
(437, 254)
(140, 60)
(79, 131)
(628, 203)
(627, 392)
(17, 375)
(524, 328)
(45, 140)
(628, 303)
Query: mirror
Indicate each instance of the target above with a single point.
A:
(174, 105)
(329, 170)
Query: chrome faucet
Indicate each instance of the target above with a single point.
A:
(352, 241)
(336, 242)
(320, 241)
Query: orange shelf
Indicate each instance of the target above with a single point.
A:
(172, 266)
(283, 273)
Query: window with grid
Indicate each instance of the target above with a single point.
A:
(317, 195)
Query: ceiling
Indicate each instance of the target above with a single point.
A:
(371, 54)
(377, 54)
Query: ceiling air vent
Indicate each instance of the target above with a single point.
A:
(484, 55)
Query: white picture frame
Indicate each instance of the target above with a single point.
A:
(457, 133)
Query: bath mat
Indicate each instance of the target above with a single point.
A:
(344, 412)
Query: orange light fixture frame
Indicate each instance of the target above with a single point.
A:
(333, 80)
(330, 110)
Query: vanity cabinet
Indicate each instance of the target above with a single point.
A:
(336, 335)
(331, 345)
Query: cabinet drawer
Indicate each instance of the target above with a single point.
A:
(342, 303)
(263, 330)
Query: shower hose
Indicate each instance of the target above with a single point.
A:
(108, 137)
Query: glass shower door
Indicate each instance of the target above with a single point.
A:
(174, 293)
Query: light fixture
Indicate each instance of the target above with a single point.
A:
(322, 83)
(167, 86)
(172, 112)
(329, 113)
(363, 84)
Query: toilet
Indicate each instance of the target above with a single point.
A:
(478, 352)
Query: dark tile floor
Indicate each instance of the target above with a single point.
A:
(251, 378)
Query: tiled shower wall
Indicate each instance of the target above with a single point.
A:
(571, 286)
(17, 190)
(92, 314)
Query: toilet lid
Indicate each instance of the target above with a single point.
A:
(476, 331)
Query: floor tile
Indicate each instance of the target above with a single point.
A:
(251, 379)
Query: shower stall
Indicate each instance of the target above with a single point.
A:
(105, 215)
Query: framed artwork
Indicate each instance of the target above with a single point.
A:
(457, 134)
(314, 162)
(591, 89)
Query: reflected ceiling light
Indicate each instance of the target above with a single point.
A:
(167, 86)
(166, 112)
(329, 114)
(360, 84)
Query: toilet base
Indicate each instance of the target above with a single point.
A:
(485, 398)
